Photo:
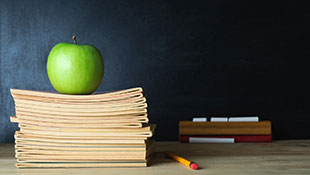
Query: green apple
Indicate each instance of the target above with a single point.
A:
(75, 69)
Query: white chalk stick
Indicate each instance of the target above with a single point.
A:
(200, 119)
(244, 119)
(211, 140)
(219, 119)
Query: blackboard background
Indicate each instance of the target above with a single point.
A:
(193, 58)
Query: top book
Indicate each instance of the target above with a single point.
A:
(98, 97)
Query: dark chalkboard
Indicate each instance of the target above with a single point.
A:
(192, 58)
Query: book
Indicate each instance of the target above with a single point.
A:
(224, 128)
(77, 136)
(103, 109)
(42, 140)
(67, 143)
(86, 105)
(101, 164)
(21, 111)
(54, 97)
(237, 138)
(145, 131)
(81, 119)
(32, 127)
(19, 134)
(99, 147)
(88, 156)
(35, 123)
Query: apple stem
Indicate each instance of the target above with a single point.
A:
(74, 39)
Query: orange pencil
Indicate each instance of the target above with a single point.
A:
(183, 161)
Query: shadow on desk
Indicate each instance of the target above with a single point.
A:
(7, 150)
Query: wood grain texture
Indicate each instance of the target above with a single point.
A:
(278, 157)
(224, 128)
(237, 138)
(81, 165)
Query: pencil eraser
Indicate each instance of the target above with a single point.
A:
(194, 166)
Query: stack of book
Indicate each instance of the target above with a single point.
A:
(225, 131)
(100, 130)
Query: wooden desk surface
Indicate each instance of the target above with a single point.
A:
(279, 157)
